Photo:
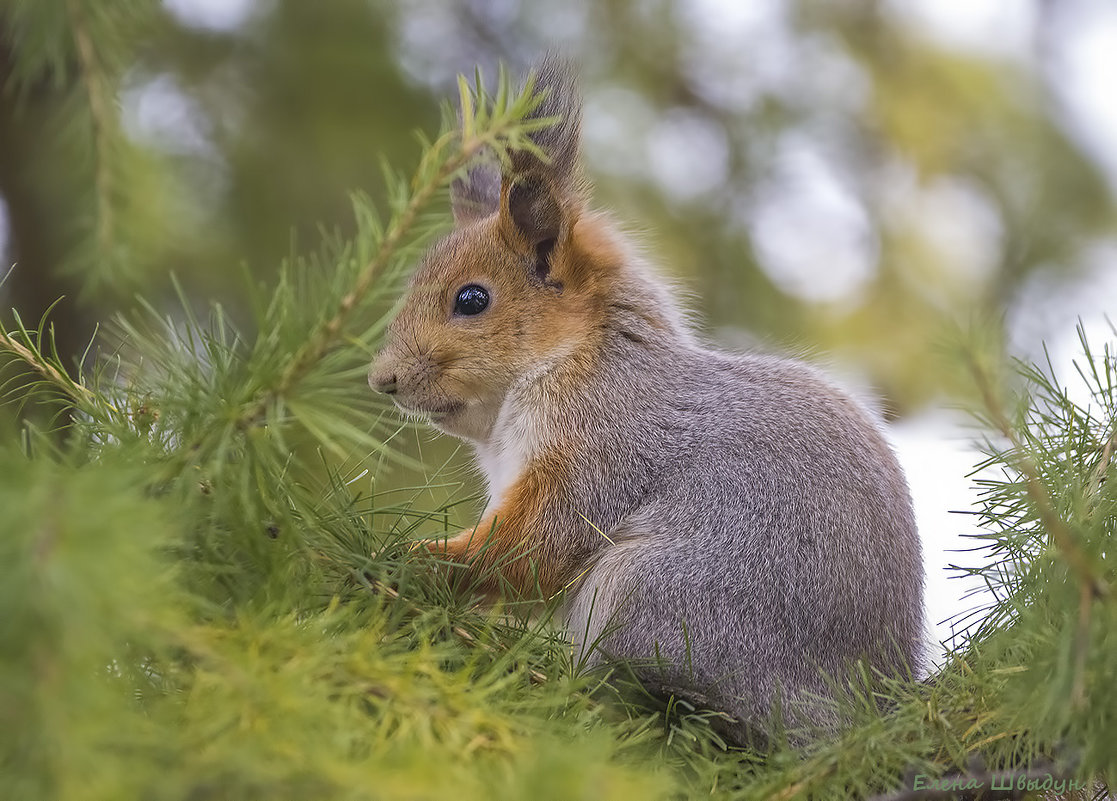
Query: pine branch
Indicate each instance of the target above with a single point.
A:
(498, 135)
(1091, 586)
(33, 358)
(329, 332)
(1054, 524)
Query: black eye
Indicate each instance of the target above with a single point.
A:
(471, 300)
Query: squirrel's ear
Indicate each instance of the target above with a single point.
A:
(543, 197)
(534, 209)
(476, 194)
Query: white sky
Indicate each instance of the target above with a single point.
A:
(936, 453)
(216, 15)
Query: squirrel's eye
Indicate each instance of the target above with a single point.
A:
(472, 299)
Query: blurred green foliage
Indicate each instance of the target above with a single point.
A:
(821, 175)
(205, 595)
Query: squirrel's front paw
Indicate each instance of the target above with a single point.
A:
(456, 547)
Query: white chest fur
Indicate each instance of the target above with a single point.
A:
(516, 438)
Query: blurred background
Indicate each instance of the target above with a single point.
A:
(851, 180)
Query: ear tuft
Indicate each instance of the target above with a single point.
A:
(555, 79)
(476, 194)
(544, 197)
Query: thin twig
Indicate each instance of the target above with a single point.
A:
(330, 332)
(1078, 692)
(45, 369)
(1092, 586)
(1054, 524)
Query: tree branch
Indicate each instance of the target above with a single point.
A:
(34, 360)
(329, 333)
(1058, 528)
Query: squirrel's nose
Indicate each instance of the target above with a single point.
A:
(382, 380)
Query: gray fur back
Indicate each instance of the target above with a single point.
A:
(762, 531)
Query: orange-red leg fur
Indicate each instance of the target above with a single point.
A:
(507, 552)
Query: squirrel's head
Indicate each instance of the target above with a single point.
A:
(511, 290)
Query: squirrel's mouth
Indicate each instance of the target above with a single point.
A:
(433, 412)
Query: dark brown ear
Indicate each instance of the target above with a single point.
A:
(544, 195)
(476, 194)
(534, 209)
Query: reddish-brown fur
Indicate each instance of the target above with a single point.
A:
(449, 361)
(506, 551)
(506, 548)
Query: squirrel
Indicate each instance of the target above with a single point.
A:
(733, 525)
